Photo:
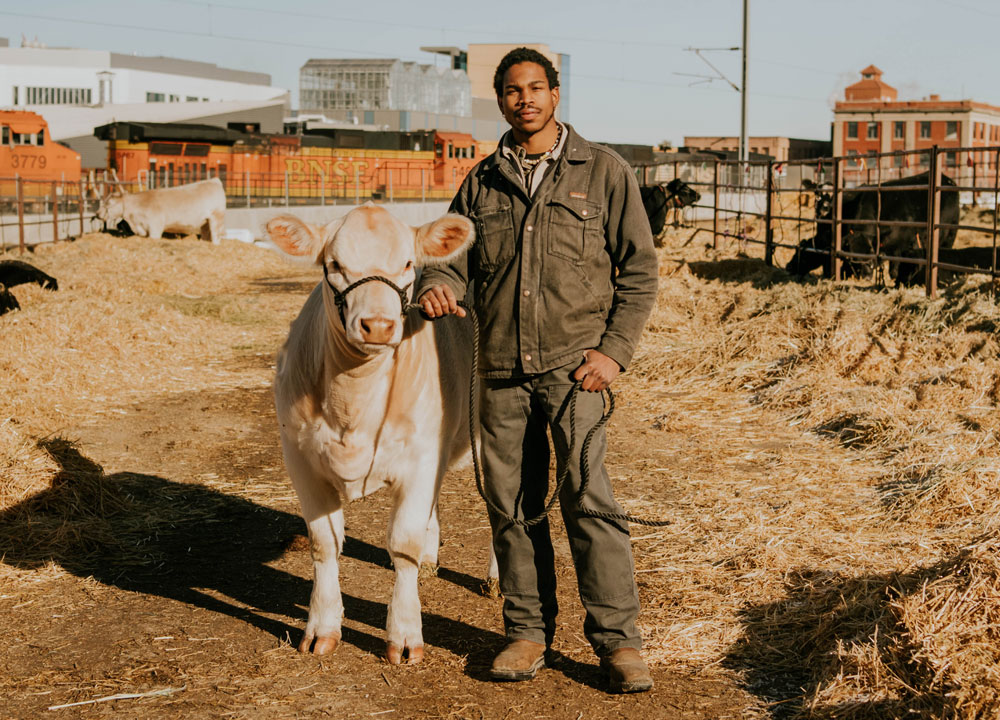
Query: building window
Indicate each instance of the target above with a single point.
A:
(897, 161)
(190, 98)
(925, 129)
(5, 135)
(15, 94)
(41, 137)
(852, 131)
(155, 97)
(873, 131)
(951, 130)
(899, 130)
(175, 98)
(951, 158)
(852, 158)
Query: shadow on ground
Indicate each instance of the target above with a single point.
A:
(186, 542)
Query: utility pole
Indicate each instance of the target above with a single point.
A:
(744, 151)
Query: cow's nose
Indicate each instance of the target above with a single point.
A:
(377, 330)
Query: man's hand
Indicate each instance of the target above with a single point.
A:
(440, 301)
(597, 371)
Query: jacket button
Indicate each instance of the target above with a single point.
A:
(583, 212)
(529, 228)
(527, 293)
(527, 357)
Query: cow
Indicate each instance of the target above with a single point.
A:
(979, 258)
(16, 272)
(198, 207)
(370, 395)
(658, 199)
(862, 204)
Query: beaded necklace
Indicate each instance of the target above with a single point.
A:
(529, 164)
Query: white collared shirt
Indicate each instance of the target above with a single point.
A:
(509, 149)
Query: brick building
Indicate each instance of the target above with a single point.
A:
(780, 149)
(871, 119)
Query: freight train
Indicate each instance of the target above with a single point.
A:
(305, 164)
(304, 167)
(28, 152)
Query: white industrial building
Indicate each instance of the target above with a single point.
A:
(79, 90)
(37, 76)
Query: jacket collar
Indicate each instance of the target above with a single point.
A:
(575, 149)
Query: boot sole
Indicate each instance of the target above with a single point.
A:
(518, 675)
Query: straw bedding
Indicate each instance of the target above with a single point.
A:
(828, 455)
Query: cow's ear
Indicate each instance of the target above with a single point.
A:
(441, 240)
(295, 237)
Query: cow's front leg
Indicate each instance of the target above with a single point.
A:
(413, 503)
(322, 509)
(432, 542)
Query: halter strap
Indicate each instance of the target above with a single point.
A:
(340, 298)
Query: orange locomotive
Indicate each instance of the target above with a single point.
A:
(27, 152)
(311, 167)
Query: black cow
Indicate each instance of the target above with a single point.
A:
(906, 205)
(15, 272)
(658, 199)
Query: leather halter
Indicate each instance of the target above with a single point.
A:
(340, 298)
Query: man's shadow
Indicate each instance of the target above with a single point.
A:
(186, 542)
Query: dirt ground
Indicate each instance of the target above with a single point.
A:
(173, 562)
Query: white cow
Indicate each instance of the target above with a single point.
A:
(198, 207)
(368, 397)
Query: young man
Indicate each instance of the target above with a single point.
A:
(564, 276)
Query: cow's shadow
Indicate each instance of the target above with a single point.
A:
(192, 544)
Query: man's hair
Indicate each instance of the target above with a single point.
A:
(520, 55)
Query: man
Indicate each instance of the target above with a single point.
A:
(564, 275)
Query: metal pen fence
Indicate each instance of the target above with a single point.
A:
(760, 203)
(33, 211)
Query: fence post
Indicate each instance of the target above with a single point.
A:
(322, 188)
(423, 195)
(715, 207)
(390, 184)
(80, 204)
(768, 230)
(19, 182)
(836, 228)
(933, 218)
(55, 212)
(246, 185)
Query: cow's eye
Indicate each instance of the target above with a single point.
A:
(335, 266)
(409, 265)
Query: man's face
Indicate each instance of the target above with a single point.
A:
(527, 102)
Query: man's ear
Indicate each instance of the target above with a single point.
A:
(444, 239)
(296, 237)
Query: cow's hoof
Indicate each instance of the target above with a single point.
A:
(397, 655)
(427, 570)
(491, 588)
(322, 645)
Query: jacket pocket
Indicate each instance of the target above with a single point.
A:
(494, 236)
(576, 228)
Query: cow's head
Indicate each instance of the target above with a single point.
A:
(111, 210)
(682, 193)
(369, 244)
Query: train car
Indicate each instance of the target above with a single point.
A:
(308, 167)
(28, 152)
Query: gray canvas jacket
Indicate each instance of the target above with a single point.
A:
(568, 269)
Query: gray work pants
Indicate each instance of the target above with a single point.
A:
(514, 417)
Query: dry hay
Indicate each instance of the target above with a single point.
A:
(838, 600)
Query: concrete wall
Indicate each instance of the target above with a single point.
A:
(254, 219)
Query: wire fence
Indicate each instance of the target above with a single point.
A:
(902, 211)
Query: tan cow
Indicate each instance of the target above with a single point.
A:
(198, 207)
(369, 396)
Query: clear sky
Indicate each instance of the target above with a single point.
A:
(625, 56)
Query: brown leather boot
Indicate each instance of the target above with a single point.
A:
(627, 672)
(520, 660)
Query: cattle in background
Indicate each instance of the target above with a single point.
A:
(659, 199)
(369, 395)
(897, 205)
(198, 207)
(16, 272)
